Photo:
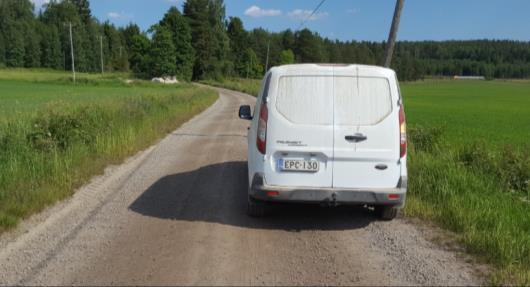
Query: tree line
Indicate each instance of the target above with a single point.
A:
(199, 42)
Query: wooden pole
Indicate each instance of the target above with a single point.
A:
(393, 34)
(268, 51)
(72, 50)
(101, 52)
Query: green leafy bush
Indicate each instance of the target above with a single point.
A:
(508, 165)
(425, 139)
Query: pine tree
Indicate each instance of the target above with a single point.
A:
(139, 55)
(209, 39)
(59, 15)
(129, 32)
(259, 41)
(32, 50)
(308, 48)
(254, 68)
(175, 22)
(14, 44)
(51, 56)
(288, 40)
(92, 47)
(2, 50)
(115, 54)
(16, 20)
(220, 65)
(286, 57)
(83, 10)
(239, 42)
(162, 56)
(196, 11)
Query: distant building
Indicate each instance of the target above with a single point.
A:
(480, 78)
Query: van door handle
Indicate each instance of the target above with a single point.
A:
(356, 138)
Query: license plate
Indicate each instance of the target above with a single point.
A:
(299, 165)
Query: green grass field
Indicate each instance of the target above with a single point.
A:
(54, 136)
(495, 111)
(469, 165)
(24, 91)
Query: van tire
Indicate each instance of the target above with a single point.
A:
(385, 212)
(256, 208)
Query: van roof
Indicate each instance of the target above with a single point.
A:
(316, 68)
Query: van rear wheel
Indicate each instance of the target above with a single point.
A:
(256, 208)
(385, 212)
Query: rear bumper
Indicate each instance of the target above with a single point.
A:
(261, 191)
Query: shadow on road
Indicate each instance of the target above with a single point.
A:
(218, 194)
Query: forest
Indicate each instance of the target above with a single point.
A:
(200, 42)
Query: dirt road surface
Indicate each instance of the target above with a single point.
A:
(175, 215)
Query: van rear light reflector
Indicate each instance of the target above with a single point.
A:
(272, 193)
(394, 196)
(261, 138)
(402, 133)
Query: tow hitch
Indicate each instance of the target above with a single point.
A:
(330, 202)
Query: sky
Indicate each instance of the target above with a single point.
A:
(351, 19)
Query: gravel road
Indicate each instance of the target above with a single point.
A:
(175, 215)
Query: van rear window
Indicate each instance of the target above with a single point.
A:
(306, 99)
(362, 101)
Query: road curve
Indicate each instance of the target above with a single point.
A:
(175, 215)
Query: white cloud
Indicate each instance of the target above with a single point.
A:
(255, 11)
(352, 11)
(299, 14)
(116, 15)
(38, 3)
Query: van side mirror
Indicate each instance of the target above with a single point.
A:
(245, 113)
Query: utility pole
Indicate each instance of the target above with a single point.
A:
(249, 64)
(248, 69)
(267, 62)
(393, 34)
(72, 49)
(101, 52)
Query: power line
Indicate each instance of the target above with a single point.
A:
(311, 15)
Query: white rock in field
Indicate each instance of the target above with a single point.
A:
(166, 80)
(171, 80)
(158, 80)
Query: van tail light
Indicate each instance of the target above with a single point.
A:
(402, 133)
(261, 139)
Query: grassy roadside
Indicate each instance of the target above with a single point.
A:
(469, 165)
(60, 77)
(48, 151)
(248, 86)
(478, 192)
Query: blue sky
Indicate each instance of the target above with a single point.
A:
(352, 19)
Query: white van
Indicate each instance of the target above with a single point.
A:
(329, 134)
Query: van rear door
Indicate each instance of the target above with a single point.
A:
(366, 133)
(300, 129)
